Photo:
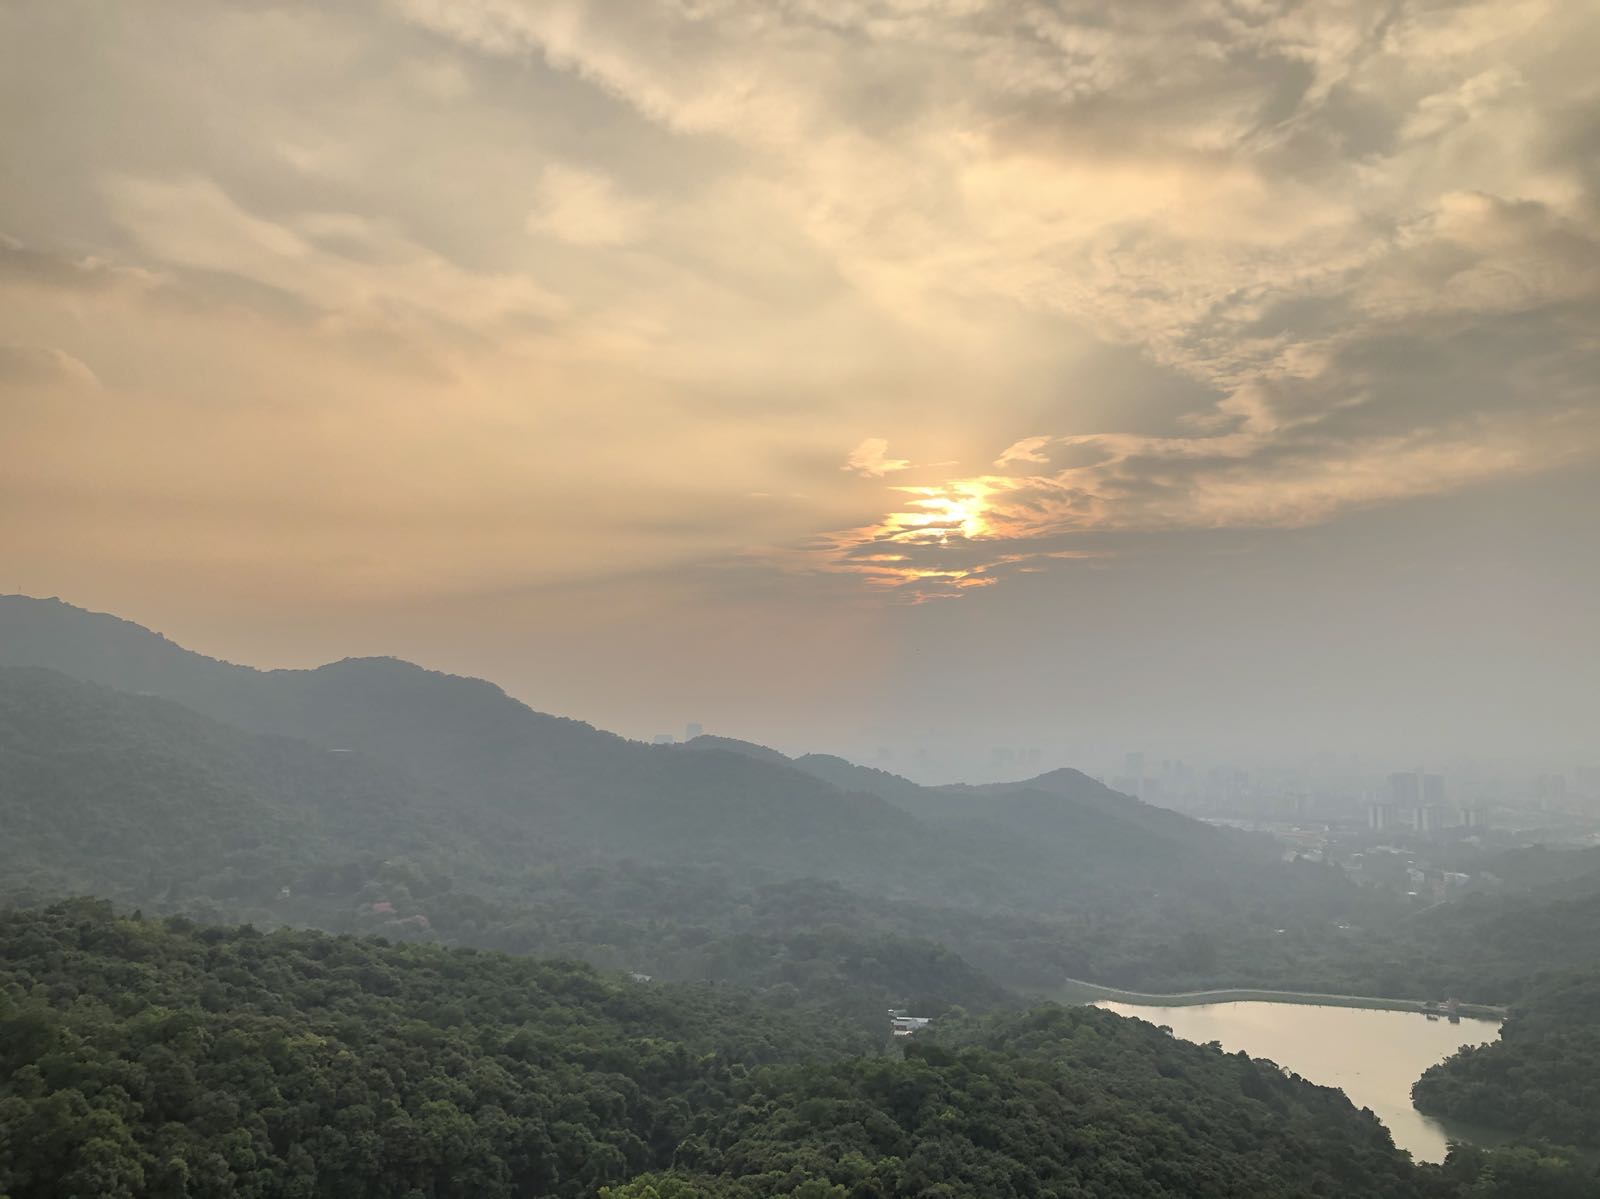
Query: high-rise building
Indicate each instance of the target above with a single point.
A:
(1551, 791)
(1405, 788)
(692, 730)
(1430, 818)
(1133, 773)
(1433, 788)
(1380, 816)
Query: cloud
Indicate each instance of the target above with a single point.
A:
(43, 366)
(1029, 449)
(871, 459)
(584, 208)
(346, 265)
(1352, 248)
(32, 266)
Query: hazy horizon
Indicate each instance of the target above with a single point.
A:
(954, 758)
(1213, 380)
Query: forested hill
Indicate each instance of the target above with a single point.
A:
(1541, 1078)
(143, 800)
(1497, 945)
(223, 1062)
(95, 773)
(140, 1059)
(507, 828)
(586, 790)
(468, 738)
(1057, 804)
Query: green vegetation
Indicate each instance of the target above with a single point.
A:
(158, 1058)
(1062, 1101)
(1541, 1078)
(147, 803)
(141, 1058)
(376, 783)
(1494, 948)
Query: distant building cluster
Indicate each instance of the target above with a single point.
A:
(1336, 789)
(1396, 868)
(1416, 802)
(1391, 829)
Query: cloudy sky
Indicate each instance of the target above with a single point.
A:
(833, 372)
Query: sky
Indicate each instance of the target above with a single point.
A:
(1221, 376)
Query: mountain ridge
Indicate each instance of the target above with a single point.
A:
(453, 732)
(557, 808)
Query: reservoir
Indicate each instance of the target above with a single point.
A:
(1372, 1055)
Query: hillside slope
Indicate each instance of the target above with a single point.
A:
(576, 788)
(568, 787)
(1541, 1078)
(221, 1062)
(536, 833)
(141, 799)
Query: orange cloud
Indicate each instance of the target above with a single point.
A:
(871, 458)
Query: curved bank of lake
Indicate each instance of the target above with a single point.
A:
(1075, 990)
(1372, 1054)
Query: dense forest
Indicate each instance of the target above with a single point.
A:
(144, 1058)
(159, 1058)
(1541, 1078)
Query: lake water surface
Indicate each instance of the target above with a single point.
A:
(1373, 1056)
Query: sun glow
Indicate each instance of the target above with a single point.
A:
(917, 551)
(941, 513)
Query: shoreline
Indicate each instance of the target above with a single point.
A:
(1078, 991)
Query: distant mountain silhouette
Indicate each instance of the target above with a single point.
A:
(1079, 817)
(467, 739)
(732, 745)
(582, 787)
(237, 776)
(370, 792)
(847, 776)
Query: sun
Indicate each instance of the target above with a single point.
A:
(955, 509)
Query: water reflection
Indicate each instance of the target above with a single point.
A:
(1374, 1056)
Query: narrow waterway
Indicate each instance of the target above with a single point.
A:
(1373, 1056)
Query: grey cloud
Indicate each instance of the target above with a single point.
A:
(30, 367)
(1307, 187)
(25, 264)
